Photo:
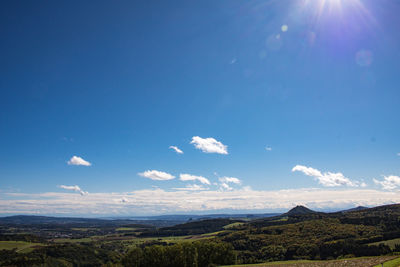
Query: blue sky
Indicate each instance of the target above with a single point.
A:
(282, 95)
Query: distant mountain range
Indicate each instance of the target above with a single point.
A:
(159, 220)
(186, 217)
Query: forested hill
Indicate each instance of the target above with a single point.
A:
(192, 228)
(299, 210)
(355, 209)
(316, 235)
(295, 215)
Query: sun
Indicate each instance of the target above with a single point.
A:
(338, 9)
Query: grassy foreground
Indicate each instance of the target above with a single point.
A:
(389, 261)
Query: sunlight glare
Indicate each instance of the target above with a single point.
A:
(334, 6)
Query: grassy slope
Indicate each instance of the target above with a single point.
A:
(391, 243)
(391, 263)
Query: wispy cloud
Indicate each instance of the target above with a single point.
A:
(225, 181)
(329, 179)
(177, 150)
(390, 182)
(225, 186)
(209, 145)
(74, 188)
(156, 175)
(191, 187)
(189, 177)
(268, 148)
(398, 154)
(75, 160)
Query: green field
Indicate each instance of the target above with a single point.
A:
(391, 243)
(126, 229)
(21, 246)
(73, 240)
(83, 229)
(130, 241)
(391, 263)
(233, 225)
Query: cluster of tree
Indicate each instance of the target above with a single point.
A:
(327, 251)
(326, 238)
(60, 255)
(196, 254)
(21, 237)
(191, 228)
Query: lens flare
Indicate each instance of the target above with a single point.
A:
(364, 58)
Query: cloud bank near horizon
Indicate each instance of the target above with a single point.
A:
(191, 199)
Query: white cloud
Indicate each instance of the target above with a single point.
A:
(74, 188)
(177, 150)
(157, 175)
(307, 170)
(225, 186)
(209, 145)
(398, 154)
(192, 187)
(75, 160)
(268, 148)
(225, 181)
(157, 201)
(189, 177)
(390, 182)
(329, 179)
(230, 180)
